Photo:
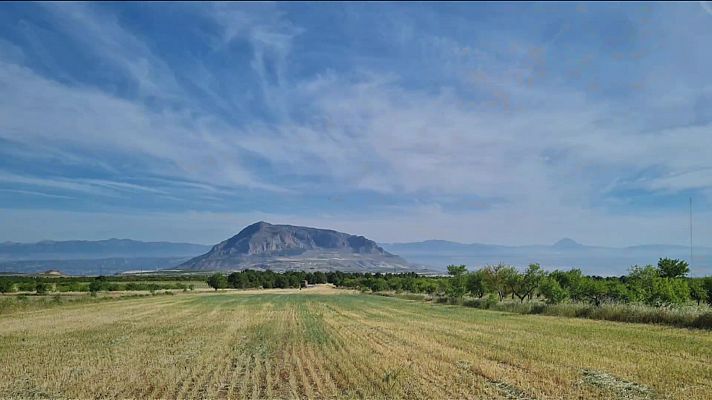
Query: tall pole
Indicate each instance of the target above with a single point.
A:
(690, 232)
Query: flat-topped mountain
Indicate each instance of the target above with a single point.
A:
(284, 247)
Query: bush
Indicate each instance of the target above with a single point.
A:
(698, 292)
(41, 288)
(26, 286)
(6, 286)
(96, 285)
(704, 321)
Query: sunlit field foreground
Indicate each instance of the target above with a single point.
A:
(327, 343)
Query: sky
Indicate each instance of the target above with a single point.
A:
(509, 123)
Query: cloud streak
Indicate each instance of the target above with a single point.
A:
(516, 131)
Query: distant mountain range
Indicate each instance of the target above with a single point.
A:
(565, 253)
(280, 247)
(286, 247)
(80, 257)
(84, 249)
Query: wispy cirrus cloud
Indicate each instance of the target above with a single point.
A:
(541, 119)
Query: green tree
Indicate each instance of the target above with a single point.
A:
(378, 285)
(707, 286)
(552, 291)
(217, 281)
(524, 285)
(319, 277)
(594, 290)
(668, 291)
(669, 268)
(237, 280)
(6, 285)
(430, 287)
(476, 284)
(497, 277)
(281, 282)
(41, 288)
(457, 287)
(571, 281)
(96, 285)
(697, 291)
(647, 285)
(512, 279)
(443, 287)
(617, 291)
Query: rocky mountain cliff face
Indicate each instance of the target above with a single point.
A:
(283, 247)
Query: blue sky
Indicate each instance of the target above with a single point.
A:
(500, 123)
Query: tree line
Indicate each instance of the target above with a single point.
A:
(664, 284)
(43, 285)
(253, 279)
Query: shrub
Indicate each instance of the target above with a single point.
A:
(704, 321)
(26, 286)
(491, 300)
(96, 285)
(41, 288)
(698, 292)
(6, 286)
(707, 285)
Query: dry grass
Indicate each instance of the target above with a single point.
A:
(325, 343)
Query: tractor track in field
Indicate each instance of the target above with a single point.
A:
(338, 345)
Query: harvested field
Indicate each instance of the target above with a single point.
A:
(327, 343)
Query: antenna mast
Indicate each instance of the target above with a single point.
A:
(690, 232)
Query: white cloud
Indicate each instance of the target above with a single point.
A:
(35, 110)
(116, 46)
(547, 152)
